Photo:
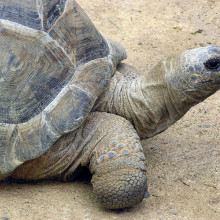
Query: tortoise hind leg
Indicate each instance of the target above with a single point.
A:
(117, 162)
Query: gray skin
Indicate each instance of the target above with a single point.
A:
(132, 108)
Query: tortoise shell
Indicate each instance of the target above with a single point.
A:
(53, 66)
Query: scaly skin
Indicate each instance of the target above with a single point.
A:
(117, 163)
(114, 156)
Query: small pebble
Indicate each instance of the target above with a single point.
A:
(175, 213)
(206, 126)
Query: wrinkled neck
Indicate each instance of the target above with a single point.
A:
(154, 103)
(149, 102)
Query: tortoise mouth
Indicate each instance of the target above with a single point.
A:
(209, 86)
(211, 81)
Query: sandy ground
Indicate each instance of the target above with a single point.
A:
(183, 162)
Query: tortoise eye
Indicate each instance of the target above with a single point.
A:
(213, 63)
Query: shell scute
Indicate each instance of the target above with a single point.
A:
(36, 14)
(22, 12)
(33, 70)
(75, 32)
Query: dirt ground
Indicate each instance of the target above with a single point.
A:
(183, 162)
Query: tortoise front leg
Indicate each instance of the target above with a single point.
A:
(116, 162)
(110, 146)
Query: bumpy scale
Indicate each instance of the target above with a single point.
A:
(110, 146)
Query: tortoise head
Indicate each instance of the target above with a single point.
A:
(196, 72)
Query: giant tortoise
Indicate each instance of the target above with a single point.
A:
(67, 102)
